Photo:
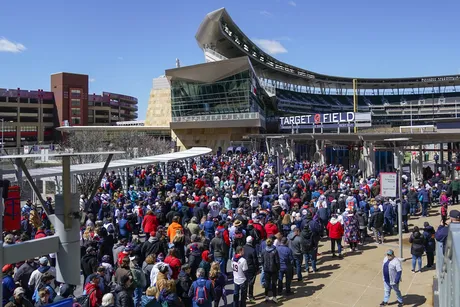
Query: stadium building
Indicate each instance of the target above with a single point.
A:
(242, 91)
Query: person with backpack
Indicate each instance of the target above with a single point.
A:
(201, 291)
(93, 297)
(271, 266)
(240, 278)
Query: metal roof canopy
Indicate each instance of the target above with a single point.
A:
(75, 169)
(406, 139)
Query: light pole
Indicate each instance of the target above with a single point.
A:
(399, 155)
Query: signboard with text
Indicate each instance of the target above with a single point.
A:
(326, 120)
(388, 184)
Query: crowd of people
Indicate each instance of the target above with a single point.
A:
(172, 237)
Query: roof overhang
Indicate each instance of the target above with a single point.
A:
(394, 139)
(209, 72)
(112, 128)
(210, 33)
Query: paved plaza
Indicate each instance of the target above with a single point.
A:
(356, 280)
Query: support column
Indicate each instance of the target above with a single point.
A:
(126, 185)
(18, 163)
(68, 256)
(420, 163)
(441, 157)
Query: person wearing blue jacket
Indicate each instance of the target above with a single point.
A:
(388, 214)
(286, 269)
(209, 228)
(424, 198)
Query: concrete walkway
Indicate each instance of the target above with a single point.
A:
(356, 280)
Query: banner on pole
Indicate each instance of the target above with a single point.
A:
(388, 184)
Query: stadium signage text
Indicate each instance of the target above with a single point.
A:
(318, 119)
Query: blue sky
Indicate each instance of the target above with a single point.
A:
(124, 45)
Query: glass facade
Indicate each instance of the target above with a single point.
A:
(235, 94)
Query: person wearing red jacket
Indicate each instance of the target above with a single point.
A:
(149, 224)
(260, 229)
(173, 262)
(93, 291)
(335, 229)
(271, 229)
(225, 235)
(40, 233)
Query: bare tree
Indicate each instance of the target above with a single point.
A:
(134, 144)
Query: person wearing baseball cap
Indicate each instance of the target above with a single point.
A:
(392, 272)
(36, 276)
(18, 299)
(443, 230)
(8, 282)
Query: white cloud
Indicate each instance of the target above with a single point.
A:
(266, 13)
(292, 3)
(120, 58)
(92, 80)
(270, 46)
(9, 46)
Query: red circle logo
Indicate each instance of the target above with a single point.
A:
(317, 118)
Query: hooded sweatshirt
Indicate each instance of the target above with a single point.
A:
(335, 229)
(270, 259)
(205, 263)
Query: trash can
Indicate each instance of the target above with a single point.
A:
(427, 155)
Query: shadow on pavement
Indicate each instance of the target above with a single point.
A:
(301, 291)
(414, 300)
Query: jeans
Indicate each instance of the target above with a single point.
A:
(378, 234)
(270, 282)
(251, 281)
(405, 223)
(288, 273)
(415, 260)
(388, 225)
(413, 208)
(388, 288)
(243, 288)
(137, 297)
(424, 209)
(222, 264)
(298, 266)
(311, 256)
(339, 246)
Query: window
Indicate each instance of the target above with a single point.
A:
(75, 121)
(75, 102)
(75, 93)
(75, 112)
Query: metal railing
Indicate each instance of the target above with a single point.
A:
(218, 117)
(215, 53)
(448, 268)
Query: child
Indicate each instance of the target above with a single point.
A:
(444, 213)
